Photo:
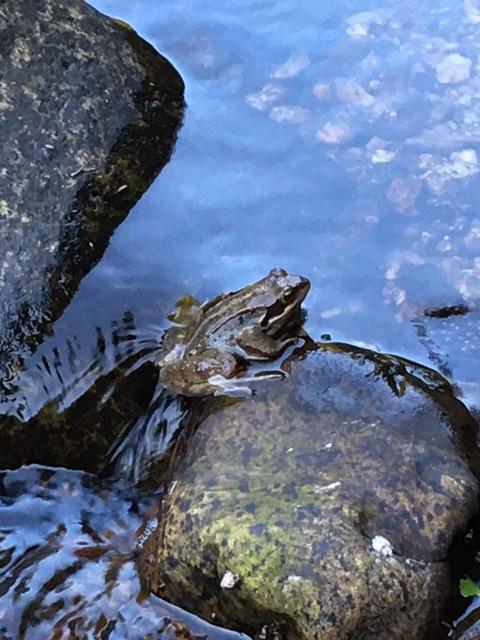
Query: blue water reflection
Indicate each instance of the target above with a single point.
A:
(338, 144)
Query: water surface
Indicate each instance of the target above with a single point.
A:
(337, 144)
(67, 563)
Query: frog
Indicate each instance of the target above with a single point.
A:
(216, 341)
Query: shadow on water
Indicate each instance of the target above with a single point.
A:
(71, 405)
(100, 411)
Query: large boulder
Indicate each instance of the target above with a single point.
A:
(326, 502)
(88, 114)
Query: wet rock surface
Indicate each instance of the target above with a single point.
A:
(88, 114)
(326, 502)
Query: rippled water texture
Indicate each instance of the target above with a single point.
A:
(67, 565)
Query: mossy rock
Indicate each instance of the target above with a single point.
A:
(333, 496)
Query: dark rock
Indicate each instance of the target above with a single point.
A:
(88, 115)
(359, 479)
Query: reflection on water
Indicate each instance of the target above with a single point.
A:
(340, 143)
(67, 563)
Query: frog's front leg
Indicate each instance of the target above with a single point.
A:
(260, 346)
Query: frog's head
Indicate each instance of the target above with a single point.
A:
(283, 296)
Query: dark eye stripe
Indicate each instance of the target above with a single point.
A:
(274, 311)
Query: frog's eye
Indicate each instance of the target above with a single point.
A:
(278, 272)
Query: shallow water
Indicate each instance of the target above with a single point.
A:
(336, 144)
(67, 562)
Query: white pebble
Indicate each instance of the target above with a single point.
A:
(229, 580)
(382, 546)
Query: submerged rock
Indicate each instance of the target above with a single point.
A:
(88, 114)
(332, 498)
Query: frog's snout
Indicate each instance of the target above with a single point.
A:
(289, 281)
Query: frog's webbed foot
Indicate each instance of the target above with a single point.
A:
(244, 386)
(233, 387)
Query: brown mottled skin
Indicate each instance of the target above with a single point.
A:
(253, 324)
